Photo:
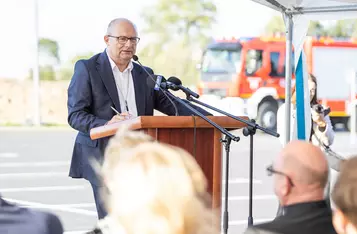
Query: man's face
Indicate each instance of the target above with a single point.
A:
(122, 41)
(312, 89)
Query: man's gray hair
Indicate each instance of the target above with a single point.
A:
(117, 21)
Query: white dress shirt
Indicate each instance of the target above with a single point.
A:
(125, 87)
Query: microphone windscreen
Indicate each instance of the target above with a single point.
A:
(135, 57)
(175, 80)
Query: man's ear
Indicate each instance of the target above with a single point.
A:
(286, 186)
(339, 221)
(106, 39)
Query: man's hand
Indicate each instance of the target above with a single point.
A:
(318, 118)
(118, 118)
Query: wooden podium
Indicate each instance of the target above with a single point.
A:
(193, 134)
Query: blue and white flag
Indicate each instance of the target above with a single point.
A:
(302, 125)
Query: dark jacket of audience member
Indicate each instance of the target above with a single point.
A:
(300, 176)
(303, 218)
(18, 220)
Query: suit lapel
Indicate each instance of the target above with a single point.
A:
(140, 89)
(106, 73)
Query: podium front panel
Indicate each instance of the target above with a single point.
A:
(204, 145)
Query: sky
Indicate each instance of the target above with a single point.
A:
(79, 25)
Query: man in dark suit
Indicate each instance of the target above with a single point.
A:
(300, 176)
(18, 220)
(110, 79)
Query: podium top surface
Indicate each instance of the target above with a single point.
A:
(147, 122)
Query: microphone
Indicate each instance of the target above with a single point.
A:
(177, 84)
(157, 82)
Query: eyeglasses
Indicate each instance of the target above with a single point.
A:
(124, 39)
(270, 169)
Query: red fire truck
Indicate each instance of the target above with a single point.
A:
(254, 70)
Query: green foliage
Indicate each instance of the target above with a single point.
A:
(50, 47)
(86, 55)
(316, 29)
(46, 73)
(341, 28)
(179, 28)
(275, 25)
(66, 71)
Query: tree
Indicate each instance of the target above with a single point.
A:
(49, 59)
(49, 47)
(316, 29)
(177, 29)
(66, 70)
(275, 25)
(341, 28)
(46, 73)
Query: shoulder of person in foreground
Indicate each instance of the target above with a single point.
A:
(19, 218)
(47, 223)
(54, 225)
(255, 230)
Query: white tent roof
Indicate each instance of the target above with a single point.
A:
(315, 9)
(303, 11)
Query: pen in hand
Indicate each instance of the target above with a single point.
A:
(115, 110)
(116, 118)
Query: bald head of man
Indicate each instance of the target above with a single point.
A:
(121, 39)
(301, 173)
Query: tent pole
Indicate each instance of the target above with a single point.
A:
(36, 73)
(288, 74)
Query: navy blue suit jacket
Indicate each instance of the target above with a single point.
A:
(91, 93)
(18, 220)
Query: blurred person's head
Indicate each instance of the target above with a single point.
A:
(123, 140)
(158, 189)
(344, 196)
(300, 173)
(121, 39)
(312, 84)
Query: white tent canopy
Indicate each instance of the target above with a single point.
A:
(297, 15)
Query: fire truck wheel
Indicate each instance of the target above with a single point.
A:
(267, 115)
(348, 125)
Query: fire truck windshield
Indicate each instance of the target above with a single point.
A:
(221, 61)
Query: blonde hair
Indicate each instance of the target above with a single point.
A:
(158, 189)
(123, 140)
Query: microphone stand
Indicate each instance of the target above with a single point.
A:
(250, 130)
(227, 142)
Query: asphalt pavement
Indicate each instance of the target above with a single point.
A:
(34, 166)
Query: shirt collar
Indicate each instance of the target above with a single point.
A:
(114, 66)
(299, 209)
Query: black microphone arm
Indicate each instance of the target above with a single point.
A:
(177, 84)
(222, 130)
(247, 122)
(247, 131)
(136, 59)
